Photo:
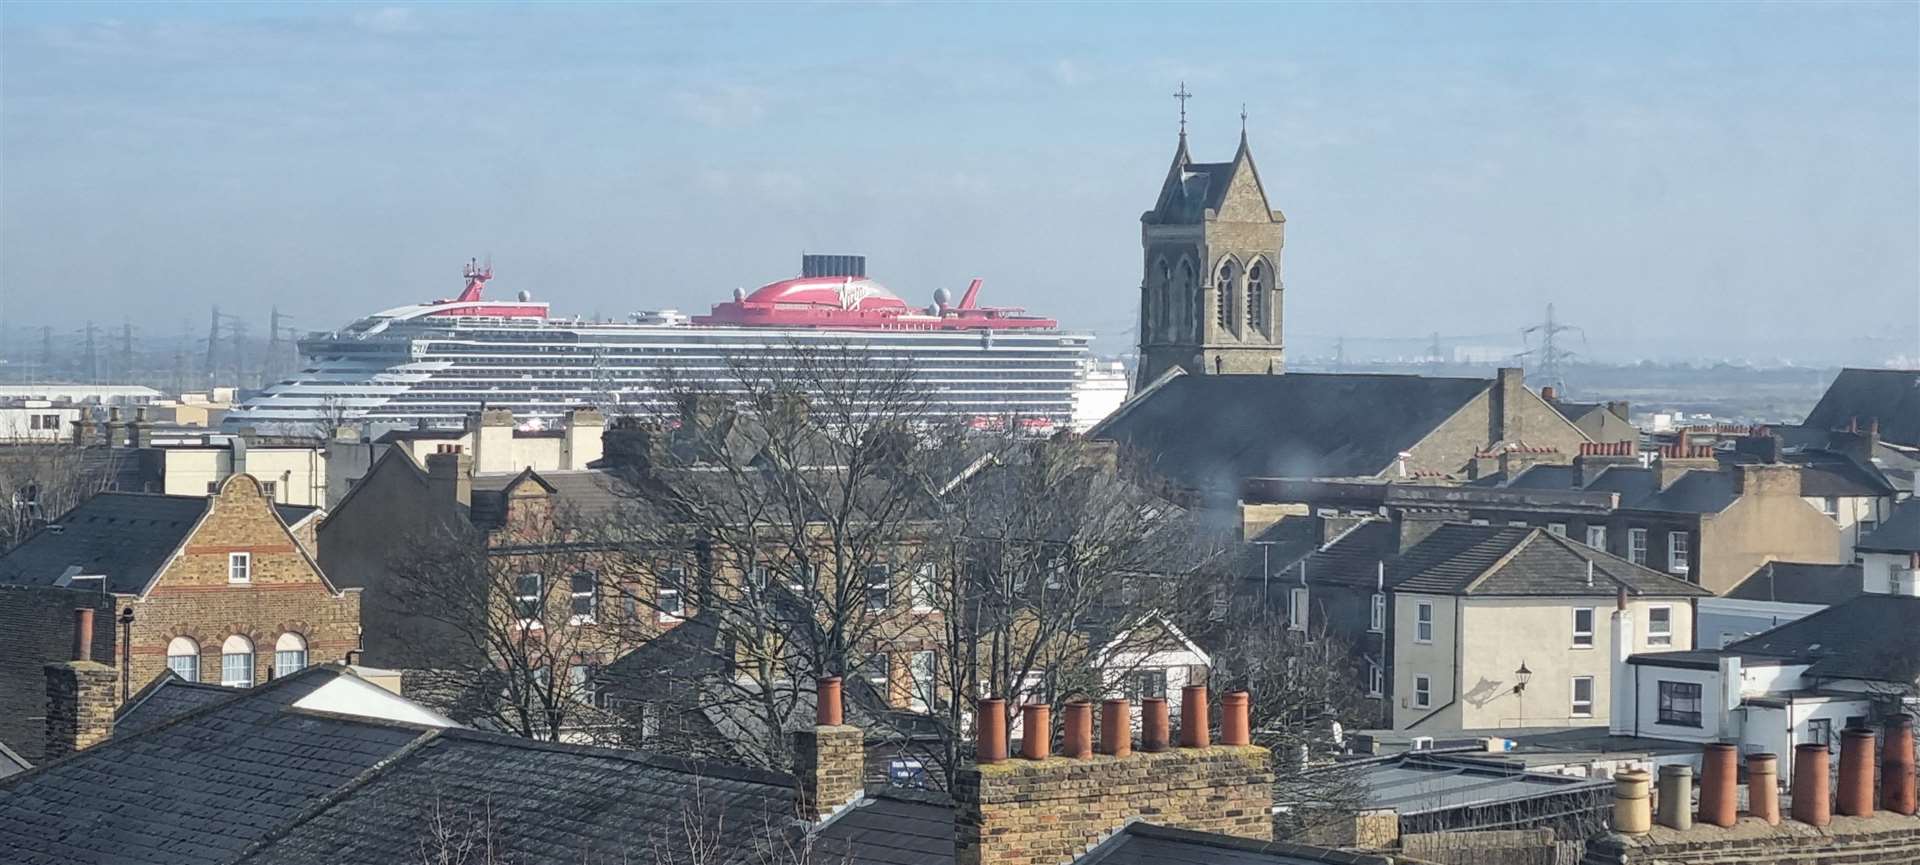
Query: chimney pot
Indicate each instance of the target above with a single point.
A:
(990, 731)
(1856, 772)
(1076, 731)
(83, 634)
(1036, 731)
(1153, 724)
(1116, 728)
(1676, 797)
(1810, 794)
(1896, 767)
(1763, 787)
(1193, 717)
(1235, 725)
(826, 703)
(1632, 812)
(1719, 778)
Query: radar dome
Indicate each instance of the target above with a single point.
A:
(739, 295)
(942, 297)
(525, 295)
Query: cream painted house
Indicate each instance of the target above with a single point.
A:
(1474, 606)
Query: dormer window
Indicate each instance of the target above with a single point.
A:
(239, 568)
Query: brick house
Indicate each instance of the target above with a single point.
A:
(219, 588)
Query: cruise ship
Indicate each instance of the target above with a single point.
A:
(431, 364)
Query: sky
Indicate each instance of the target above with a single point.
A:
(1678, 180)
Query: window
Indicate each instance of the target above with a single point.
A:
(879, 587)
(1867, 525)
(1517, 524)
(1597, 537)
(1558, 529)
(924, 588)
(289, 655)
(667, 594)
(757, 578)
(1659, 626)
(1680, 704)
(1830, 506)
(585, 597)
(526, 597)
(268, 488)
(878, 671)
(1423, 622)
(1223, 296)
(1637, 546)
(183, 658)
(1376, 679)
(1480, 522)
(213, 487)
(629, 602)
(1142, 684)
(579, 682)
(1377, 623)
(921, 667)
(239, 567)
(1583, 628)
(1677, 553)
(1257, 295)
(1583, 696)
(236, 662)
(1820, 732)
(1297, 608)
(1422, 691)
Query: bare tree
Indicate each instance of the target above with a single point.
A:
(41, 481)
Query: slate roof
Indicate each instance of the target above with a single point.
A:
(891, 827)
(1800, 583)
(1352, 558)
(126, 536)
(1146, 844)
(1208, 432)
(585, 493)
(167, 697)
(1463, 559)
(1863, 396)
(1869, 637)
(1899, 534)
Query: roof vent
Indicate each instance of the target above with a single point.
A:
(55, 528)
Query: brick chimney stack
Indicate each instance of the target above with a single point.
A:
(1043, 808)
(830, 759)
(140, 431)
(1505, 397)
(586, 426)
(1767, 479)
(450, 474)
(1678, 459)
(82, 695)
(116, 429)
(493, 441)
(1597, 457)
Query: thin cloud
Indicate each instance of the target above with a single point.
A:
(727, 106)
(388, 20)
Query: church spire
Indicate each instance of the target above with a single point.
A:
(1243, 127)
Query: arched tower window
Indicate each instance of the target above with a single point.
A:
(1195, 304)
(1223, 295)
(183, 658)
(236, 662)
(1257, 296)
(1163, 301)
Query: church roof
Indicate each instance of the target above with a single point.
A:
(1208, 432)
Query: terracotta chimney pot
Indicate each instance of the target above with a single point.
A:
(1896, 767)
(1719, 780)
(1036, 731)
(1811, 804)
(1856, 772)
(1193, 717)
(83, 634)
(990, 731)
(1235, 726)
(1116, 728)
(1153, 724)
(1076, 731)
(1763, 787)
(826, 703)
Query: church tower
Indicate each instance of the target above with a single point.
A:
(1211, 297)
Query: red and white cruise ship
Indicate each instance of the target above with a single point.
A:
(433, 363)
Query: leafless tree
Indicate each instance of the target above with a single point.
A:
(41, 481)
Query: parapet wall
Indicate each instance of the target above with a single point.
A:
(1881, 839)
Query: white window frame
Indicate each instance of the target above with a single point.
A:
(189, 660)
(1584, 639)
(269, 489)
(231, 670)
(669, 593)
(878, 579)
(1422, 691)
(1423, 622)
(1557, 529)
(1597, 537)
(1516, 524)
(924, 587)
(923, 662)
(1377, 622)
(1376, 678)
(1480, 521)
(1679, 551)
(1573, 695)
(1299, 607)
(287, 661)
(592, 594)
(521, 598)
(1637, 546)
(1662, 637)
(239, 569)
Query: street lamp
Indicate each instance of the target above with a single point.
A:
(1520, 679)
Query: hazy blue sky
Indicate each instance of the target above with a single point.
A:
(1712, 175)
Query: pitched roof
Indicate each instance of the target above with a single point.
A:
(1869, 637)
(1899, 534)
(1462, 559)
(1146, 844)
(11, 763)
(1351, 558)
(127, 537)
(1862, 397)
(167, 697)
(586, 493)
(1800, 583)
(892, 827)
(1209, 432)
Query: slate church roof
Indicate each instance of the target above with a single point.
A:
(1208, 432)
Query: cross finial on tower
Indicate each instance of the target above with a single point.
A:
(1183, 96)
(1243, 119)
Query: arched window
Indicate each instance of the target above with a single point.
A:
(1190, 292)
(1163, 299)
(289, 655)
(1257, 295)
(236, 662)
(1223, 304)
(183, 658)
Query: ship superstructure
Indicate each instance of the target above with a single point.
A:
(431, 364)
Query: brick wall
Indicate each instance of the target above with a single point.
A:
(36, 628)
(1041, 812)
(80, 698)
(1881, 839)
(831, 765)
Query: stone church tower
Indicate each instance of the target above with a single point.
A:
(1211, 298)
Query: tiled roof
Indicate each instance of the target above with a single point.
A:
(1868, 637)
(1146, 844)
(125, 536)
(1800, 583)
(1863, 396)
(1461, 559)
(167, 697)
(1352, 558)
(1209, 432)
(1899, 534)
(893, 827)
(584, 493)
